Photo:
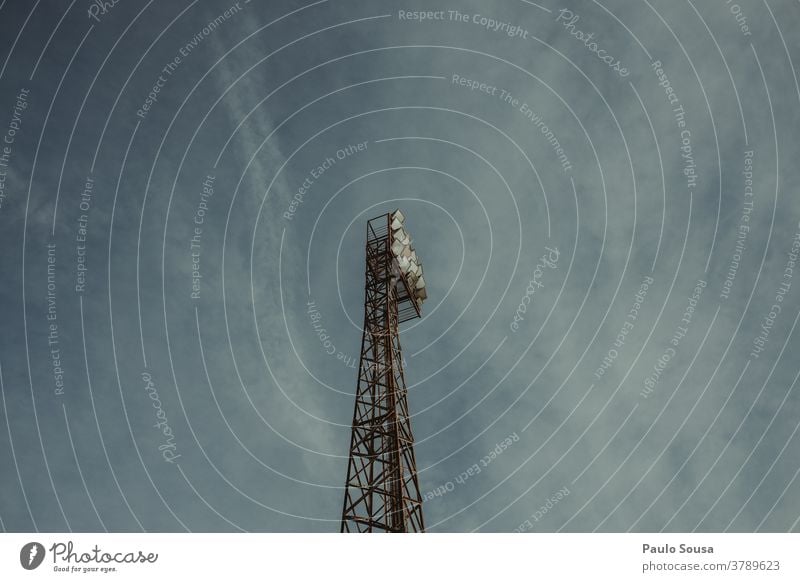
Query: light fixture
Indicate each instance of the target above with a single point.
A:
(398, 248)
(407, 260)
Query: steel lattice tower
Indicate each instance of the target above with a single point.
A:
(382, 490)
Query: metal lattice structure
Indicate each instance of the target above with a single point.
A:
(382, 491)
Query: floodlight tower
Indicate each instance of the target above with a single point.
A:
(382, 490)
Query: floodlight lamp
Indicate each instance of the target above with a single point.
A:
(407, 261)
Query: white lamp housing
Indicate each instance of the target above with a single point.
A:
(407, 260)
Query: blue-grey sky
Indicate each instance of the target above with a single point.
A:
(603, 195)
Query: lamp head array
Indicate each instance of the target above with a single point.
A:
(407, 260)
